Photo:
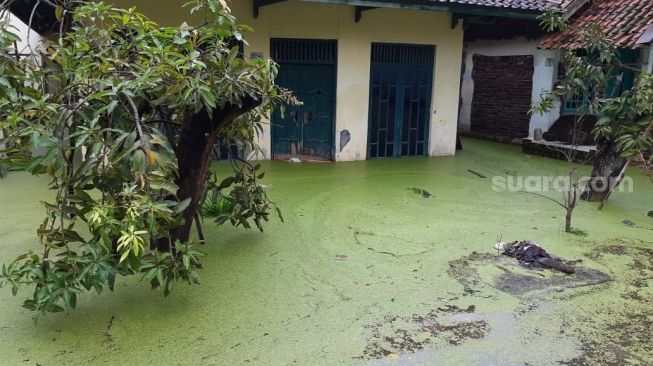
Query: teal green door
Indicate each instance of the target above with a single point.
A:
(621, 79)
(306, 129)
(400, 100)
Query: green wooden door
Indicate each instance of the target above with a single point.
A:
(400, 100)
(309, 72)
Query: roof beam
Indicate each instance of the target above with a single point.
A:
(258, 4)
(419, 5)
(358, 13)
(364, 5)
(383, 4)
(455, 19)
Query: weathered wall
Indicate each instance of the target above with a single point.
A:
(502, 95)
(647, 59)
(295, 19)
(545, 71)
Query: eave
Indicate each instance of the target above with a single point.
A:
(459, 10)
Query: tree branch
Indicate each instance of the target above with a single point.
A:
(137, 116)
(543, 196)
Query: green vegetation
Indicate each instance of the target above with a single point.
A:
(124, 114)
(624, 127)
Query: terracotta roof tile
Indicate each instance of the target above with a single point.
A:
(623, 21)
(534, 5)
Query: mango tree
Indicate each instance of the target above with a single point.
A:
(123, 114)
(625, 120)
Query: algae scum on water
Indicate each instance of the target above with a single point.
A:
(366, 272)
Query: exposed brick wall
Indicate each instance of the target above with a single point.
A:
(502, 95)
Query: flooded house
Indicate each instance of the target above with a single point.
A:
(377, 78)
(509, 62)
(628, 24)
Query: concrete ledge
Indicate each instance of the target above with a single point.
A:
(553, 149)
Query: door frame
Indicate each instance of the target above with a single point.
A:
(428, 126)
(333, 64)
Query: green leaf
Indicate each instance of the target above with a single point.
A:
(70, 299)
(139, 162)
(163, 184)
(226, 183)
(183, 205)
(208, 97)
(159, 276)
(100, 95)
(55, 308)
(58, 13)
(124, 256)
(72, 236)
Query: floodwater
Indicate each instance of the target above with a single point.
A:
(366, 272)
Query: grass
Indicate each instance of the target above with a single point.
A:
(365, 271)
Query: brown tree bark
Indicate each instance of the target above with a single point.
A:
(198, 135)
(607, 166)
(616, 166)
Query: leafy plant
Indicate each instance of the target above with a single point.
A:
(247, 200)
(217, 205)
(625, 119)
(126, 113)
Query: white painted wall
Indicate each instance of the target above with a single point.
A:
(29, 40)
(647, 62)
(299, 19)
(546, 69)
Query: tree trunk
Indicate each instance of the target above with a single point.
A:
(615, 184)
(607, 166)
(194, 156)
(198, 135)
(568, 220)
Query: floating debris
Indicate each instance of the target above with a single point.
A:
(650, 214)
(422, 192)
(340, 257)
(629, 223)
(476, 173)
(528, 252)
(295, 160)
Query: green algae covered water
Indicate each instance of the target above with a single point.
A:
(366, 272)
